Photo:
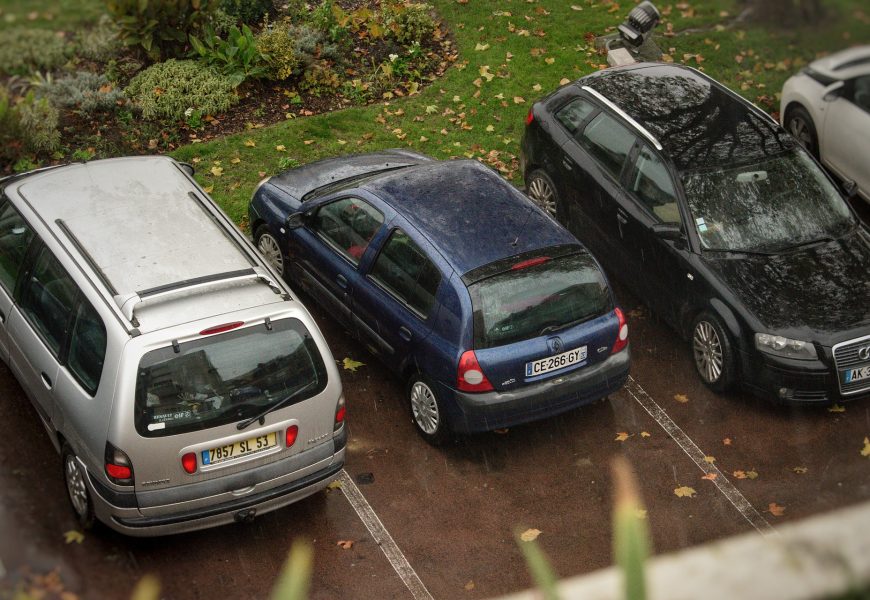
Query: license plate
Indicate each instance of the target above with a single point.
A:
(221, 454)
(852, 375)
(554, 363)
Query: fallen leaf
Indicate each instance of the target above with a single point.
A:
(709, 459)
(682, 398)
(308, 142)
(537, 87)
(727, 441)
(250, 143)
(837, 409)
(800, 470)
(645, 434)
(519, 100)
(549, 60)
(622, 436)
(564, 81)
(345, 544)
(752, 474)
(73, 536)
(280, 147)
(685, 492)
(209, 189)
(351, 364)
(775, 509)
(640, 513)
(469, 586)
(217, 171)
(236, 161)
(866, 450)
(503, 431)
(710, 477)
(334, 485)
(480, 47)
(530, 535)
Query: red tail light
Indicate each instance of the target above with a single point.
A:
(222, 328)
(290, 436)
(530, 263)
(188, 461)
(470, 377)
(622, 334)
(340, 413)
(530, 117)
(119, 469)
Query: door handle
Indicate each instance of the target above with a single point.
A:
(46, 380)
(405, 333)
(2, 316)
(566, 163)
(621, 218)
(341, 280)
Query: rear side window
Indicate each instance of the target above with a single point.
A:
(348, 225)
(226, 378)
(608, 141)
(47, 299)
(15, 236)
(405, 271)
(652, 185)
(547, 296)
(87, 347)
(572, 115)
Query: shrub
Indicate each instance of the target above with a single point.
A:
(166, 90)
(99, 44)
(221, 22)
(312, 44)
(159, 27)
(319, 79)
(37, 120)
(409, 23)
(248, 11)
(237, 57)
(89, 92)
(277, 45)
(25, 50)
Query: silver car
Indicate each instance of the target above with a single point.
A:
(182, 383)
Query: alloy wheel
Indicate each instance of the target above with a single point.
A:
(801, 132)
(708, 351)
(271, 251)
(75, 485)
(424, 408)
(543, 195)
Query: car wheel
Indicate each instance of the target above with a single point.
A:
(800, 125)
(77, 489)
(713, 352)
(541, 189)
(269, 248)
(427, 411)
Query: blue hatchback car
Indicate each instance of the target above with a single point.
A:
(491, 312)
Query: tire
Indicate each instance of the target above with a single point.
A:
(269, 247)
(427, 411)
(713, 353)
(800, 125)
(77, 488)
(542, 191)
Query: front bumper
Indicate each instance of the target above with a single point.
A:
(494, 410)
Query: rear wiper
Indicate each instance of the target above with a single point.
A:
(560, 326)
(260, 417)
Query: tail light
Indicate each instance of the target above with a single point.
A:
(291, 435)
(119, 469)
(188, 461)
(622, 334)
(530, 117)
(340, 413)
(470, 377)
(222, 328)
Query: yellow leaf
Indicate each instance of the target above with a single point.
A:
(752, 474)
(341, 142)
(866, 450)
(414, 88)
(480, 47)
(308, 142)
(469, 586)
(537, 87)
(739, 474)
(519, 100)
(236, 161)
(334, 485)
(564, 81)
(490, 128)
(209, 189)
(530, 535)
(549, 60)
(73, 536)
(682, 398)
(351, 364)
(775, 509)
(431, 109)
(217, 171)
(645, 434)
(709, 459)
(423, 138)
(800, 470)
(622, 436)
(837, 409)
(250, 143)
(484, 72)
(685, 492)
(280, 147)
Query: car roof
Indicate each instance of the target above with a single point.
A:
(114, 218)
(469, 213)
(698, 122)
(845, 64)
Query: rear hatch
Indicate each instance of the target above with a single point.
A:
(541, 315)
(211, 412)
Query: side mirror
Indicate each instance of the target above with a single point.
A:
(188, 168)
(850, 188)
(668, 231)
(295, 220)
(833, 91)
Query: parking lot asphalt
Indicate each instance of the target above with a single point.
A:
(453, 511)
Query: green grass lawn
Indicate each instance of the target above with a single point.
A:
(510, 53)
(66, 15)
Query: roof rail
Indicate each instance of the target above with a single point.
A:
(601, 97)
(758, 111)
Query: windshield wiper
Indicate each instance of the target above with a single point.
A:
(275, 406)
(560, 326)
(822, 240)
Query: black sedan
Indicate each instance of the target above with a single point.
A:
(710, 212)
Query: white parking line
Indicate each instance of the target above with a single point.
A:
(383, 538)
(691, 449)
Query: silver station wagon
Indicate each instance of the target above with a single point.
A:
(181, 382)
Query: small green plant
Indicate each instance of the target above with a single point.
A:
(278, 46)
(122, 69)
(166, 90)
(88, 92)
(409, 23)
(248, 11)
(38, 120)
(237, 57)
(319, 79)
(25, 50)
(83, 155)
(287, 162)
(99, 44)
(222, 22)
(159, 27)
(22, 165)
(193, 118)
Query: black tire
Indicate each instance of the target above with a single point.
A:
(77, 488)
(713, 352)
(800, 125)
(268, 245)
(541, 189)
(427, 411)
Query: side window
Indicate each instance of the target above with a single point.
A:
(47, 299)
(405, 271)
(87, 347)
(862, 93)
(348, 225)
(15, 236)
(652, 185)
(572, 115)
(608, 141)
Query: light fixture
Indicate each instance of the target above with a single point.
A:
(640, 22)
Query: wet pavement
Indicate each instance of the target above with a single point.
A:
(453, 512)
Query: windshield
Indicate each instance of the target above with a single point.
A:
(769, 206)
(519, 304)
(225, 378)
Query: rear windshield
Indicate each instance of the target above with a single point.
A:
(225, 378)
(527, 302)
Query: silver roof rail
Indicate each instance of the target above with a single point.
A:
(625, 116)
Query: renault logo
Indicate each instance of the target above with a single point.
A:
(864, 353)
(555, 345)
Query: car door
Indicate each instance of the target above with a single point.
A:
(396, 305)
(329, 248)
(15, 237)
(38, 331)
(845, 143)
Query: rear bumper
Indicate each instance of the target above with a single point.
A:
(494, 410)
